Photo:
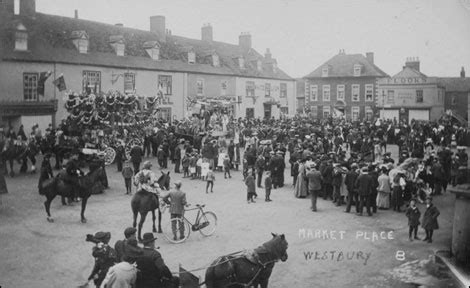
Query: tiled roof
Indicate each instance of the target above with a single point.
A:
(342, 65)
(409, 72)
(49, 41)
(455, 84)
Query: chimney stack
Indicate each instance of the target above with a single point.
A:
(28, 8)
(413, 63)
(244, 40)
(462, 73)
(267, 54)
(370, 57)
(157, 25)
(76, 14)
(7, 7)
(206, 33)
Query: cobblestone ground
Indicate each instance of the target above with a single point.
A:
(39, 254)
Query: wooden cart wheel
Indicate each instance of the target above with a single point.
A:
(109, 155)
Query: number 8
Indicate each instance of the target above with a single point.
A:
(400, 255)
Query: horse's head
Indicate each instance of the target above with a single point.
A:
(278, 246)
(164, 180)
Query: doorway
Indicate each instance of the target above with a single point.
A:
(267, 111)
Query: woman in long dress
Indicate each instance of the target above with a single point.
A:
(300, 188)
(383, 195)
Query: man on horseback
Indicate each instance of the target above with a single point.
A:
(72, 172)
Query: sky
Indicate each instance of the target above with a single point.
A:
(303, 34)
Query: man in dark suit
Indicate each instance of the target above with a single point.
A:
(327, 174)
(350, 182)
(177, 201)
(136, 157)
(364, 183)
(153, 271)
(314, 184)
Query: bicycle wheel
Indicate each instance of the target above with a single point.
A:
(181, 227)
(208, 220)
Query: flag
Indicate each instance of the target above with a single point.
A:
(60, 83)
(42, 79)
(187, 279)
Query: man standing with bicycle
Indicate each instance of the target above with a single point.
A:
(177, 201)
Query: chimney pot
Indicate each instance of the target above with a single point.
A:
(76, 14)
(462, 73)
(157, 25)
(413, 63)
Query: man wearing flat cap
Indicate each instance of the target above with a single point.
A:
(153, 271)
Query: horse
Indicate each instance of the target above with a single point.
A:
(142, 202)
(57, 186)
(247, 270)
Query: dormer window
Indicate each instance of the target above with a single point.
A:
(153, 49)
(191, 57)
(215, 60)
(241, 62)
(357, 70)
(21, 38)
(117, 42)
(80, 40)
(324, 71)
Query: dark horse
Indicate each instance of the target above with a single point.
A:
(57, 186)
(144, 201)
(247, 270)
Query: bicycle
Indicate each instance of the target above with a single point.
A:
(206, 223)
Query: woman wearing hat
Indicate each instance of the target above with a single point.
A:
(104, 255)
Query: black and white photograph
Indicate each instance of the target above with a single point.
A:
(234, 143)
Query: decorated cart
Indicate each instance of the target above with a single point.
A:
(120, 119)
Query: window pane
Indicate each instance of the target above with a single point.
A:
(91, 82)
(267, 90)
(283, 93)
(129, 82)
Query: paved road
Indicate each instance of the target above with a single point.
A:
(36, 253)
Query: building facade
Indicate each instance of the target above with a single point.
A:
(457, 92)
(410, 95)
(344, 86)
(97, 58)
